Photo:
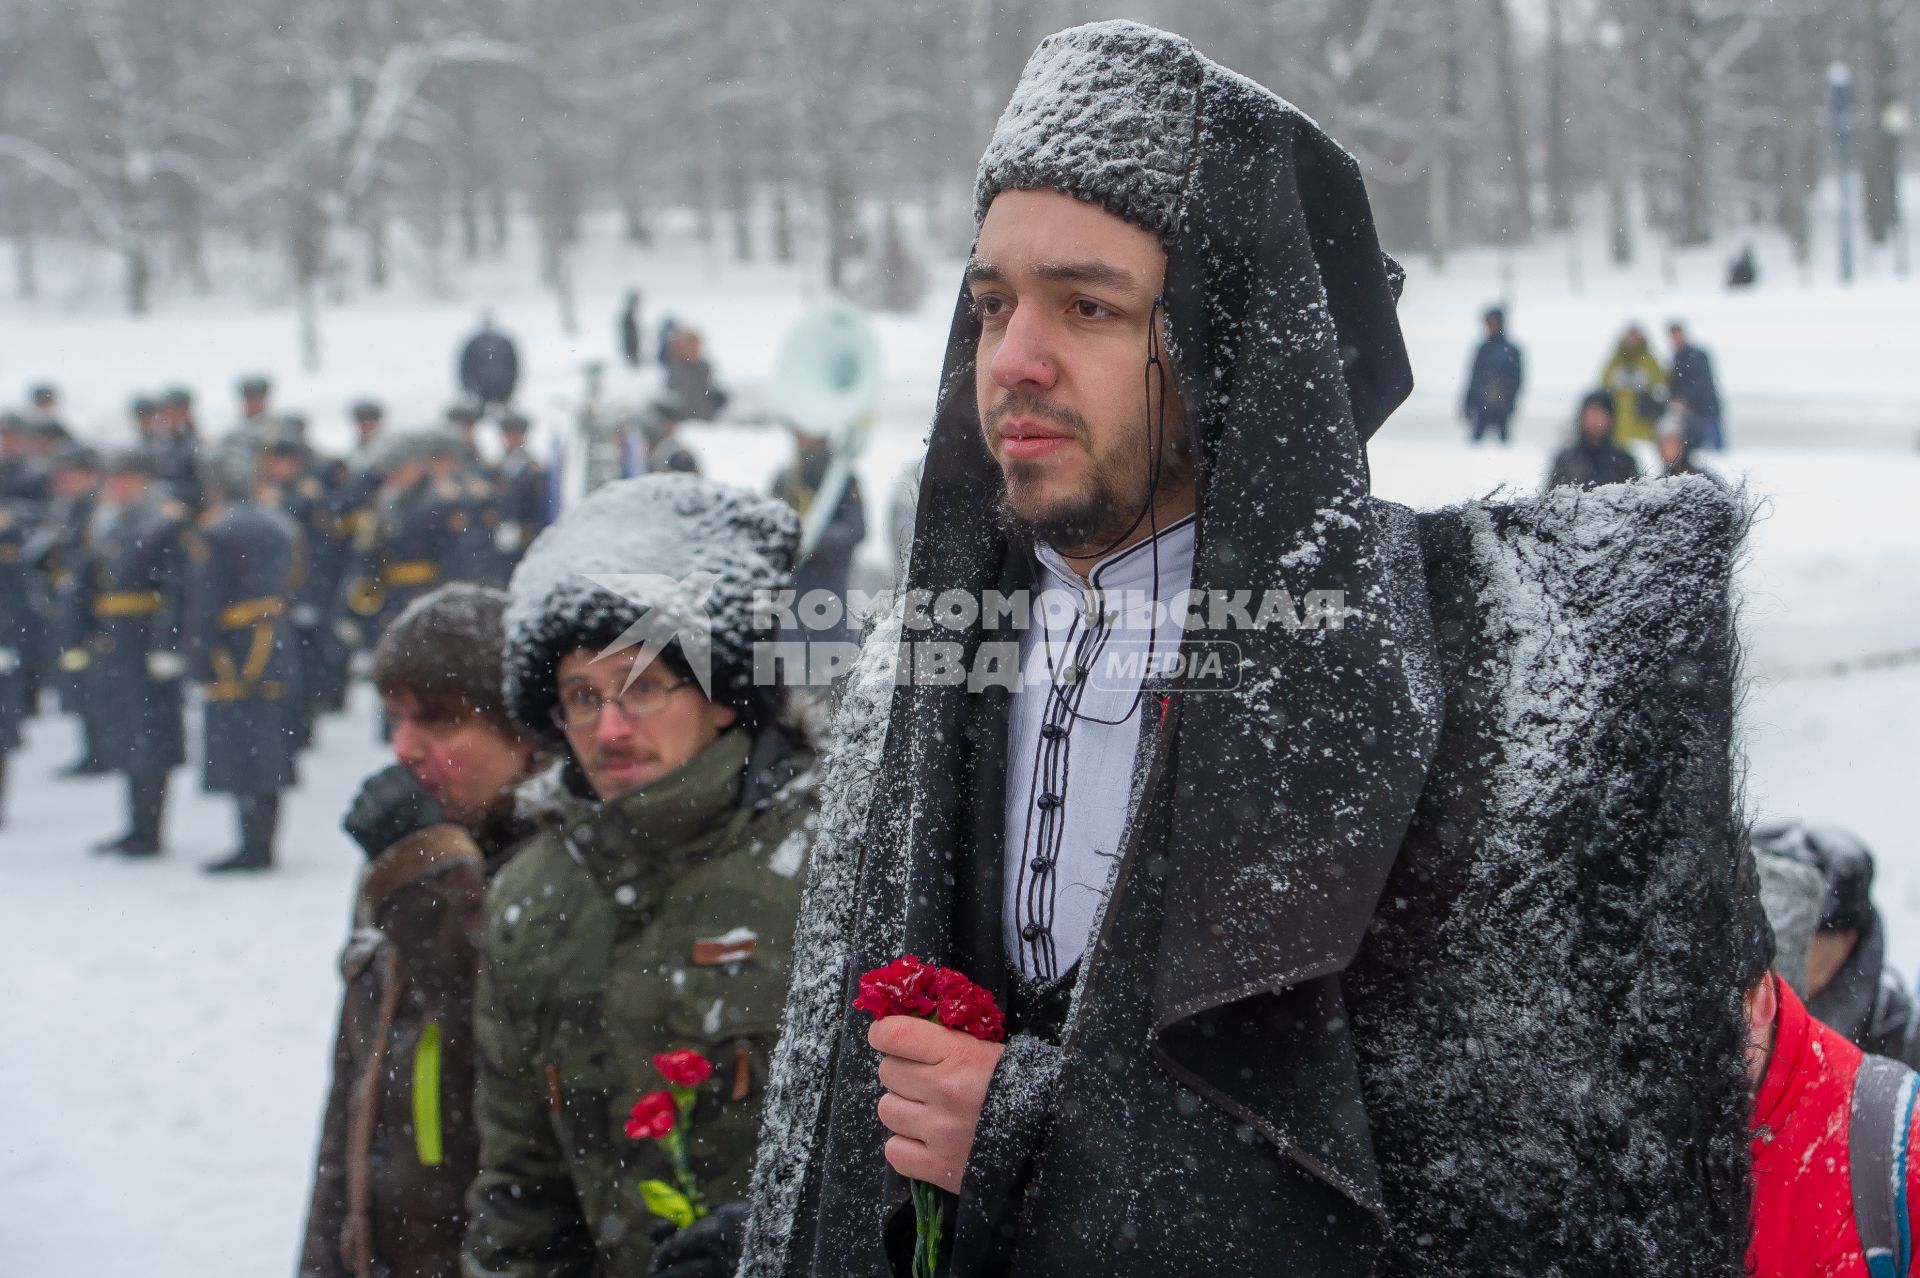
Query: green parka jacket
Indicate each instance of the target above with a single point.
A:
(661, 920)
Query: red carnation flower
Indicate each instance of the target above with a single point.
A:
(684, 1068)
(962, 1005)
(903, 987)
(908, 987)
(653, 1116)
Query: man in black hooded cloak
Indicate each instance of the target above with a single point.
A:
(1417, 943)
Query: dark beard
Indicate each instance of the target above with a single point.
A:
(1107, 511)
(1095, 518)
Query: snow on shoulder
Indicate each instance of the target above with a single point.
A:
(1576, 828)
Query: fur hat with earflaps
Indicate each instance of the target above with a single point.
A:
(677, 559)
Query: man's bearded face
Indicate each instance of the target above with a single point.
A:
(1065, 292)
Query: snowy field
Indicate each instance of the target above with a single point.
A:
(167, 1034)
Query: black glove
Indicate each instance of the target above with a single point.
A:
(708, 1248)
(391, 805)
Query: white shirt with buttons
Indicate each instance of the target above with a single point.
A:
(1073, 733)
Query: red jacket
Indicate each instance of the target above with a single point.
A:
(1803, 1214)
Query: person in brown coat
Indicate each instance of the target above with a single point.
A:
(398, 1145)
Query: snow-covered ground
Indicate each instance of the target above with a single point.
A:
(168, 1034)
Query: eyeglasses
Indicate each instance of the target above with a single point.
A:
(582, 707)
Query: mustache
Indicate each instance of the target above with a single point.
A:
(1027, 404)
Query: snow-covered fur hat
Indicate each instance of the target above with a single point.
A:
(691, 554)
(1106, 113)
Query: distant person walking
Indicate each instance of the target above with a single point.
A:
(489, 365)
(629, 327)
(1744, 272)
(1593, 458)
(1638, 384)
(1493, 386)
(1694, 392)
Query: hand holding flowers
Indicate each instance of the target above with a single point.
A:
(939, 1035)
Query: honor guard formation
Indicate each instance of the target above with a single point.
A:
(246, 575)
(237, 577)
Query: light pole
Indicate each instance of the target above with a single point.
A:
(1895, 122)
(1840, 80)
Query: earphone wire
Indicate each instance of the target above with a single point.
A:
(1156, 401)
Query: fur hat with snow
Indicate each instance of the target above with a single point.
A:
(669, 558)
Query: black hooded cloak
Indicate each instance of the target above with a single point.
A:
(1419, 954)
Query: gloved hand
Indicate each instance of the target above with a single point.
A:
(165, 666)
(391, 805)
(708, 1248)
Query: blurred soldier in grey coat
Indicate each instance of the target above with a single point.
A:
(123, 639)
(287, 482)
(522, 482)
(405, 549)
(16, 631)
(245, 653)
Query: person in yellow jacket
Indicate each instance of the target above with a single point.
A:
(1638, 384)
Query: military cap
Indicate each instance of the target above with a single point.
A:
(231, 470)
(129, 461)
(443, 443)
(397, 449)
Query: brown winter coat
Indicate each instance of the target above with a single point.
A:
(387, 1203)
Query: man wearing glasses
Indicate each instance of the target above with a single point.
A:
(656, 912)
